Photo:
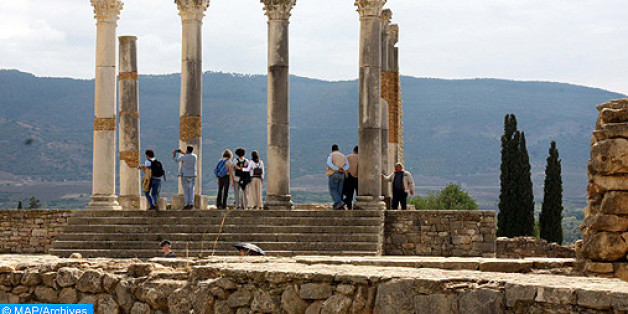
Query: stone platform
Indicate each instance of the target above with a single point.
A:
(287, 285)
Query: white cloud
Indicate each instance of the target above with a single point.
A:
(577, 41)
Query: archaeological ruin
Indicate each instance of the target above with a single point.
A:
(370, 260)
(380, 110)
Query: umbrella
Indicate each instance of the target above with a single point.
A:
(250, 249)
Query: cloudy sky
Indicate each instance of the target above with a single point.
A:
(576, 41)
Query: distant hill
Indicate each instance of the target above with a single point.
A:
(452, 127)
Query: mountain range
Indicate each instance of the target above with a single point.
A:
(452, 128)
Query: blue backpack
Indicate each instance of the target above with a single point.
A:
(221, 169)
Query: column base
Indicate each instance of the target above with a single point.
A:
(279, 202)
(369, 203)
(201, 202)
(104, 202)
(131, 202)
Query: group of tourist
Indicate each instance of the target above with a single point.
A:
(244, 175)
(247, 177)
(342, 174)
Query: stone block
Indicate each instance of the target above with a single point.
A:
(604, 246)
(611, 223)
(611, 115)
(480, 301)
(242, 297)
(615, 203)
(600, 268)
(435, 304)
(315, 291)
(555, 295)
(615, 130)
(611, 183)
(336, 304)
(506, 266)
(599, 300)
(519, 294)
(201, 202)
(395, 296)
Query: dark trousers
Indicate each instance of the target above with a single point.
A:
(399, 196)
(223, 192)
(350, 186)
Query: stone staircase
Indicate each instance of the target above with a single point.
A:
(128, 234)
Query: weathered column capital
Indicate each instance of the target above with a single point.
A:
(192, 9)
(278, 10)
(107, 10)
(370, 7)
(393, 34)
(386, 17)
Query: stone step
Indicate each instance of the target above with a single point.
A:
(282, 233)
(233, 237)
(272, 221)
(227, 228)
(150, 253)
(235, 213)
(272, 246)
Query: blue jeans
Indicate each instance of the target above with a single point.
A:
(152, 196)
(336, 182)
(188, 189)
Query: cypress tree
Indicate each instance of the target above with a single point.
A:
(525, 212)
(550, 221)
(19, 205)
(507, 198)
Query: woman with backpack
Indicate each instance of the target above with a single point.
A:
(224, 173)
(256, 169)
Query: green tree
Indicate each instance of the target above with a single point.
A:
(506, 220)
(19, 205)
(34, 203)
(450, 197)
(525, 212)
(550, 220)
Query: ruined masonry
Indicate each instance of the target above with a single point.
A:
(605, 229)
(380, 113)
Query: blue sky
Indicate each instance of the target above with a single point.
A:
(575, 41)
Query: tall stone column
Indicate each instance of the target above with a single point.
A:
(385, 91)
(104, 159)
(191, 105)
(369, 121)
(278, 160)
(129, 130)
(395, 111)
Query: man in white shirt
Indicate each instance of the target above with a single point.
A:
(187, 172)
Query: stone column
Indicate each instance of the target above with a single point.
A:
(395, 138)
(386, 160)
(129, 130)
(191, 105)
(369, 121)
(278, 159)
(605, 229)
(104, 163)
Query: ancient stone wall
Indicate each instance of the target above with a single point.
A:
(258, 286)
(605, 228)
(440, 233)
(30, 231)
(522, 247)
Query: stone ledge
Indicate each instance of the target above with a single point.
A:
(283, 285)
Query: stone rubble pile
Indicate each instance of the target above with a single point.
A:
(605, 229)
